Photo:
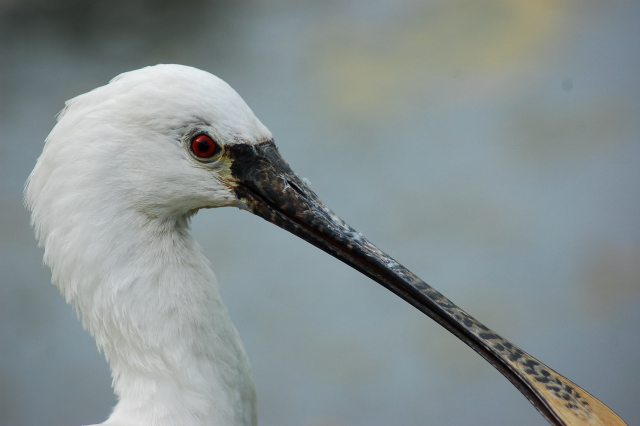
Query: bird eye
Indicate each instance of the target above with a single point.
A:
(203, 146)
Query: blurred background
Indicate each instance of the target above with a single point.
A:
(491, 146)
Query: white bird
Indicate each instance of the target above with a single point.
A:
(111, 196)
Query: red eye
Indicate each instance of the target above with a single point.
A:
(204, 147)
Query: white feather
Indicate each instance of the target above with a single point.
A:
(111, 197)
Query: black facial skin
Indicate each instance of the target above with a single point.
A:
(270, 189)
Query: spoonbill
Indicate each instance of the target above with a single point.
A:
(111, 196)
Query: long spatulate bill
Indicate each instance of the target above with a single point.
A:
(266, 186)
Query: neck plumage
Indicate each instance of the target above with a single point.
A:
(147, 295)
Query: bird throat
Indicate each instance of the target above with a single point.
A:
(172, 348)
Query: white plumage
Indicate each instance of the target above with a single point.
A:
(111, 197)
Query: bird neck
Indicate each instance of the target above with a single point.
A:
(154, 309)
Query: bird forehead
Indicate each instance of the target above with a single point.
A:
(170, 99)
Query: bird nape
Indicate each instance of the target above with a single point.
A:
(120, 175)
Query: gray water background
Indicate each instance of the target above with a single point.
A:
(491, 146)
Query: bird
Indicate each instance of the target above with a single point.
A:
(121, 174)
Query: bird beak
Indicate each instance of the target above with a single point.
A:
(266, 186)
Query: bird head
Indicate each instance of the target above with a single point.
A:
(156, 140)
(165, 141)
